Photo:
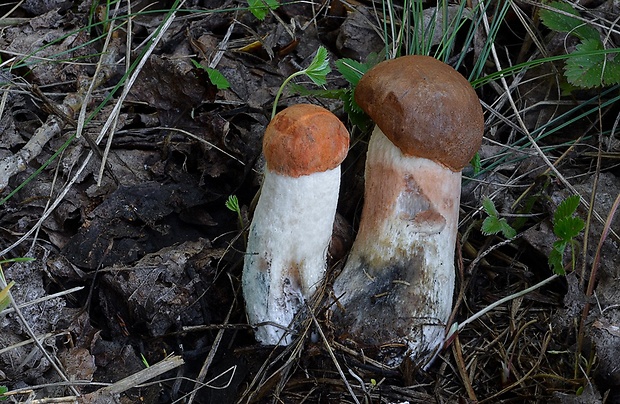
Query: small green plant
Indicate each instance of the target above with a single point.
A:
(3, 389)
(590, 65)
(215, 77)
(145, 362)
(352, 71)
(260, 8)
(317, 72)
(566, 226)
(493, 224)
(232, 203)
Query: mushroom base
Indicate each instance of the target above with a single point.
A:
(395, 291)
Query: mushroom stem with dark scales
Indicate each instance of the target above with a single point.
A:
(395, 291)
(293, 221)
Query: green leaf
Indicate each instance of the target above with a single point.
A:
(589, 67)
(260, 8)
(357, 116)
(491, 225)
(351, 70)
(217, 79)
(476, 163)
(507, 230)
(568, 227)
(319, 67)
(566, 208)
(489, 207)
(564, 23)
(556, 257)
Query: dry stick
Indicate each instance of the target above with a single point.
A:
(30, 341)
(543, 350)
(97, 78)
(490, 307)
(42, 299)
(106, 394)
(593, 272)
(108, 145)
(331, 354)
(113, 118)
(457, 350)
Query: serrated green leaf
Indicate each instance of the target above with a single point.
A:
(566, 208)
(568, 227)
(611, 74)
(564, 23)
(356, 115)
(350, 104)
(319, 67)
(260, 8)
(217, 79)
(491, 225)
(351, 70)
(586, 68)
(489, 207)
(507, 230)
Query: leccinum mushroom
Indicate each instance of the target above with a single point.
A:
(292, 225)
(395, 291)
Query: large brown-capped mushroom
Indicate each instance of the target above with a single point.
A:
(395, 291)
(292, 225)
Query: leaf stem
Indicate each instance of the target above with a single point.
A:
(281, 89)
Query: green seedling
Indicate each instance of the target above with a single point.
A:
(317, 72)
(566, 227)
(215, 77)
(590, 64)
(493, 224)
(232, 203)
(3, 390)
(260, 8)
(352, 71)
(144, 361)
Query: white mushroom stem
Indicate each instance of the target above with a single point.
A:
(287, 247)
(397, 285)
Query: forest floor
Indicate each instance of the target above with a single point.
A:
(136, 259)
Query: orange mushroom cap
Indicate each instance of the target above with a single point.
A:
(425, 107)
(304, 139)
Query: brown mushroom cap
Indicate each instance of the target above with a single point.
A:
(304, 139)
(425, 107)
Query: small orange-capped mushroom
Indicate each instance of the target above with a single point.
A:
(292, 224)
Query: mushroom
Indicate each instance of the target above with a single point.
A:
(292, 224)
(394, 294)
